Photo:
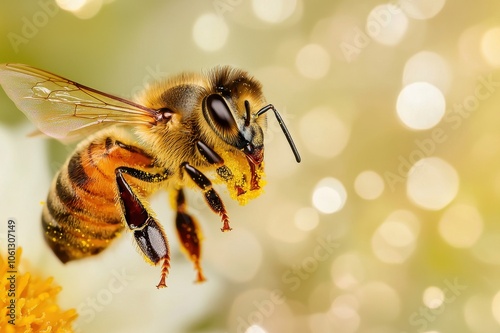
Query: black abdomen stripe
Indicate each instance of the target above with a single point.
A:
(74, 225)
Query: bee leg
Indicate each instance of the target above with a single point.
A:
(211, 196)
(213, 158)
(189, 233)
(148, 234)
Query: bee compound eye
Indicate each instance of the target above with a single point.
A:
(220, 113)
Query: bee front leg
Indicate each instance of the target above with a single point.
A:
(213, 158)
(211, 196)
(189, 233)
(148, 234)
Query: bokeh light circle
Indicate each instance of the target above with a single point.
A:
(369, 185)
(371, 293)
(278, 222)
(329, 195)
(313, 61)
(386, 24)
(490, 46)
(71, 5)
(470, 46)
(210, 32)
(420, 105)
(83, 9)
(306, 218)
(495, 307)
(274, 11)
(255, 329)
(394, 241)
(432, 183)
(426, 66)
(345, 316)
(433, 297)
(396, 234)
(347, 270)
(323, 133)
(422, 9)
(485, 249)
(477, 310)
(461, 225)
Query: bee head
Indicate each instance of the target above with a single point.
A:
(235, 110)
(237, 128)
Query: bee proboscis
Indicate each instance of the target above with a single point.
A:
(192, 130)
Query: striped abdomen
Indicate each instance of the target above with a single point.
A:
(81, 215)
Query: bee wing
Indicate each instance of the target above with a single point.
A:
(64, 109)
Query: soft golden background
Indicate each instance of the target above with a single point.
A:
(389, 225)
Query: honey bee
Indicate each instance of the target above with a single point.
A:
(192, 130)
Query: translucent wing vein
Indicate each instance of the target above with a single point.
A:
(64, 109)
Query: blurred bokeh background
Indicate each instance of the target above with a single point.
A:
(391, 223)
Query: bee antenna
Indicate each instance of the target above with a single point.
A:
(283, 128)
(247, 108)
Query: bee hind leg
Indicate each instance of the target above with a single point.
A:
(148, 234)
(189, 233)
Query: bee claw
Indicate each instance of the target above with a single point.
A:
(240, 190)
(200, 278)
(225, 221)
(161, 285)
